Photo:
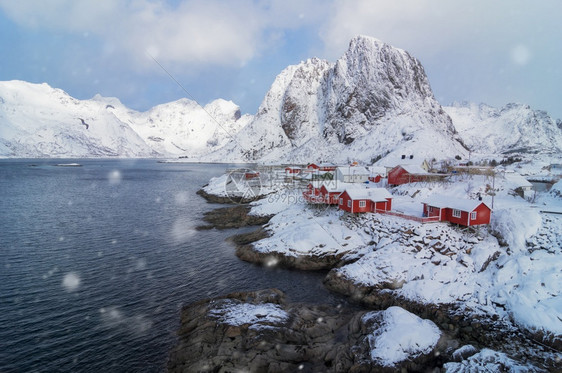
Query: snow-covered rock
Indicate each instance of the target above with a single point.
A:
(400, 335)
(374, 101)
(515, 128)
(246, 313)
(489, 361)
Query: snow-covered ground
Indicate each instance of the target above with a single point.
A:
(509, 270)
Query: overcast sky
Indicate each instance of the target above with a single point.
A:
(494, 52)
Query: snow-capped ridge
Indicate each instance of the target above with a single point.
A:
(41, 121)
(373, 101)
(514, 128)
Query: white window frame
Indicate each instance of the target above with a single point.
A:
(341, 201)
(457, 213)
(362, 203)
(430, 209)
(473, 215)
(348, 203)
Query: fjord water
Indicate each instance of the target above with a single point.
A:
(96, 262)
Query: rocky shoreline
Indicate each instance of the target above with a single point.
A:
(460, 326)
(232, 217)
(463, 325)
(308, 338)
(224, 199)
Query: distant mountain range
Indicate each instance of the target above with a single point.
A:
(374, 103)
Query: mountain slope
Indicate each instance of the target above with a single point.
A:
(515, 128)
(183, 127)
(374, 101)
(39, 121)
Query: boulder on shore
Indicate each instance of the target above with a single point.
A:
(261, 332)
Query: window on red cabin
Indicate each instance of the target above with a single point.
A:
(362, 203)
(456, 213)
(349, 203)
(473, 215)
(341, 201)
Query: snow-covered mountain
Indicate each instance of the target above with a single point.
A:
(515, 128)
(375, 101)
(39, 121)
(182, 127)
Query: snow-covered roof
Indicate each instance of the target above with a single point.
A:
(467, 205)
(413, 169)
(339, 186)
(321, 164)
(377, 170)
(374, 194)
(353, 170)
(517, 179)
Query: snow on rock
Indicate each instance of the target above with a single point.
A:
(399, 335)
(513, 128)
(185, 128)
(238, 314)
(512, 228)
(556, 189)
(217, 186)
(296, 231)
(528, 282)
(489, 361)
(430, 264)
(374, 101)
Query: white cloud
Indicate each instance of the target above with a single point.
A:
(195, 32)
(433, 26)
(484, 51)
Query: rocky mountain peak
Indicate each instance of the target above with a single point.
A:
(373, 80)
(372, 100)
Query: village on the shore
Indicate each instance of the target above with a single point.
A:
(357, 189)
(473, 246)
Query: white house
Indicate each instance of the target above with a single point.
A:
(519, 184)
(352, 174)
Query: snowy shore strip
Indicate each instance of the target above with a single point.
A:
(479, 274)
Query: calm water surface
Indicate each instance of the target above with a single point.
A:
(96, 262)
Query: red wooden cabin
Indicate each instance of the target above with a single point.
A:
(458, 211)
(321, 167)
(312, 192)
(403, 174)
(331, 193)
(292, 170)
(365, 200)
(251, 175)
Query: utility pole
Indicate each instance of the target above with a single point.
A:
(493, 187)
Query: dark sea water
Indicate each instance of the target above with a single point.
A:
(97, 261)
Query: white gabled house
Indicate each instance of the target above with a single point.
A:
(352, 174)
(519, 184)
